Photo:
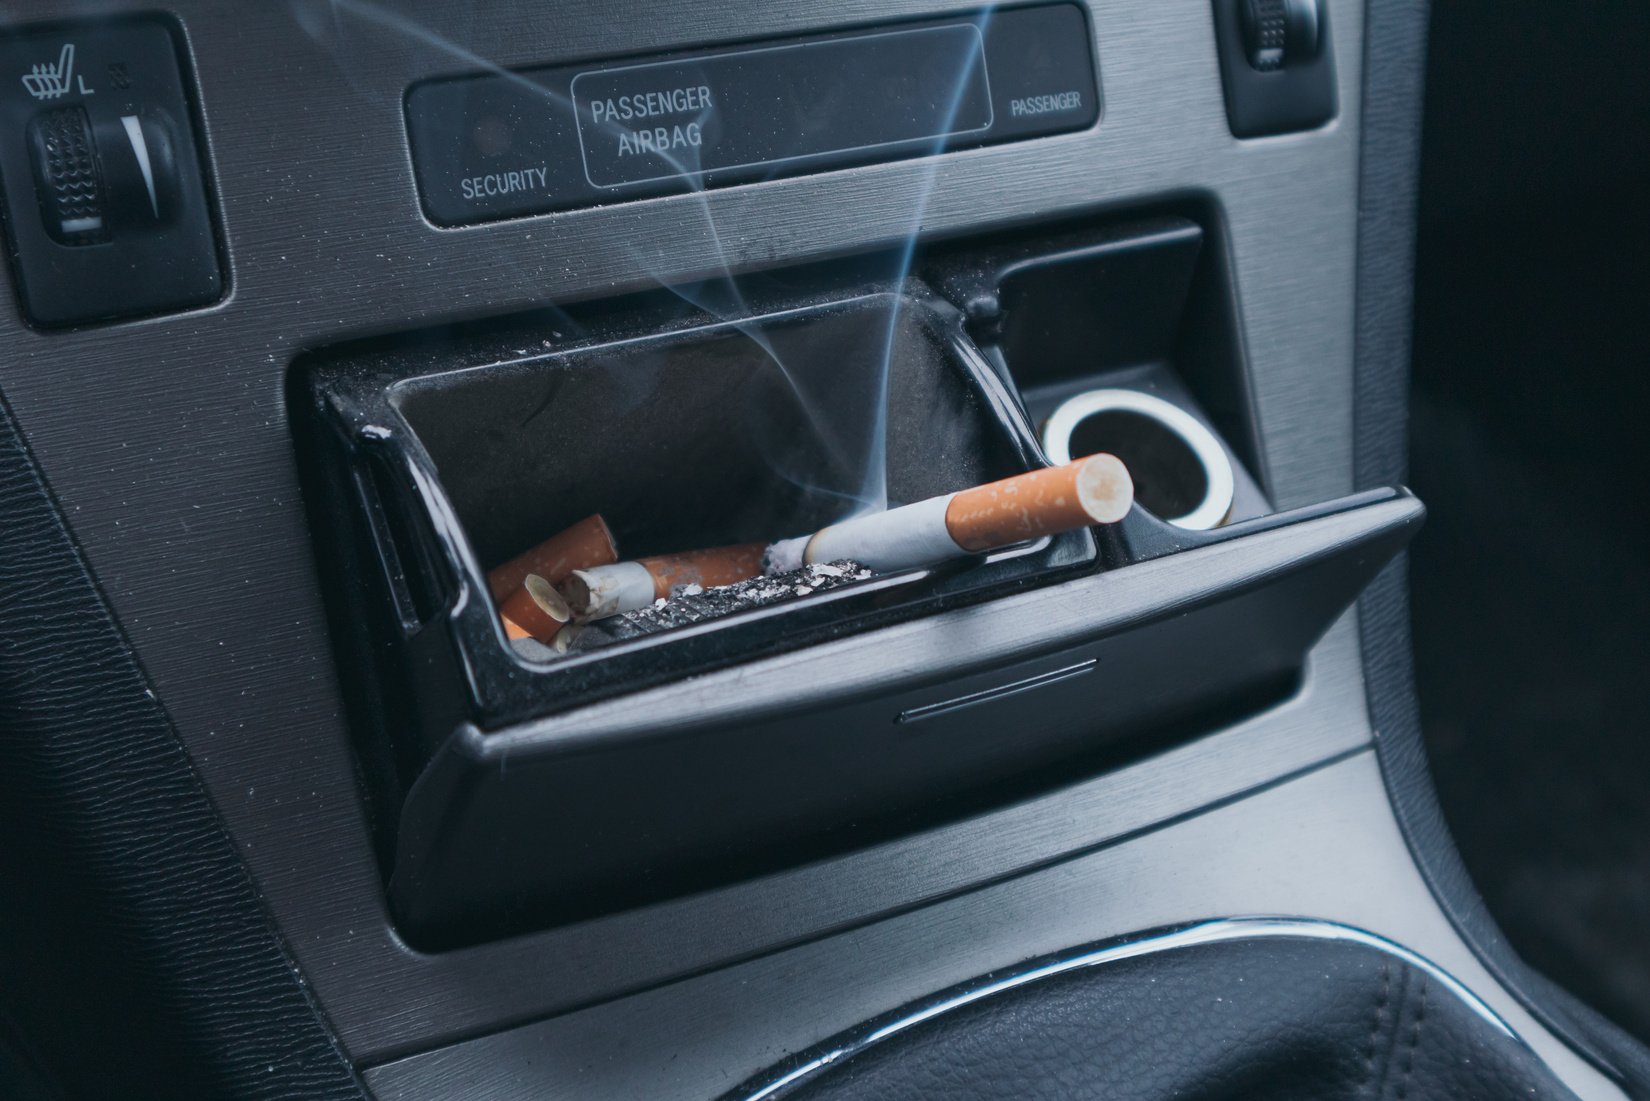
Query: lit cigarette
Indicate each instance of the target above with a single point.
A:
(585, 544)
(1094, 490)
(627, 586)
(535, 610)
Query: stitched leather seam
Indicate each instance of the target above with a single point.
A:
(1393, 1027)
(1375, 1028)
(1414, 1042)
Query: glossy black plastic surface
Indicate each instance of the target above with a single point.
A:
(591, 811)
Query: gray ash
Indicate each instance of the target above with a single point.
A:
(695, 605)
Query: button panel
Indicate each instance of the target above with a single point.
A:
(503, 145)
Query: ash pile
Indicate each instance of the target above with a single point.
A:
(695, 604)
(573, 593)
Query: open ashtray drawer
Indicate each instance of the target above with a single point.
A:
(516, 787)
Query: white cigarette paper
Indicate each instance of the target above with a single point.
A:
(898, 539)
(1093, 490)
(620, 587)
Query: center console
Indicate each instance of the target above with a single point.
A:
(411, 289)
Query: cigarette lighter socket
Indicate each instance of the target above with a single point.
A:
(511, 793)
(1123, 339)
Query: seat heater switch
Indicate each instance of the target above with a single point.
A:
(105, 200)
(98, 185)
(1277, 65)
(1279, 33)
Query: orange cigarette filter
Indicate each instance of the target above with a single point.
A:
(585, 544)
(1094, 490)
(534, 610)
(705, 568)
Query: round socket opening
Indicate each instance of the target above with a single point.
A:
(1168, 479)
(1181, 472)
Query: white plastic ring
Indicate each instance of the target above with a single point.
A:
(1216, 504)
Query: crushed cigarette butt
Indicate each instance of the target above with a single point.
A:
(629, 586)
(535, 610)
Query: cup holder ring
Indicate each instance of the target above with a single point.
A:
(1179, 465)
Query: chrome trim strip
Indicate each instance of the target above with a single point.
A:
(997, 692)
(1208, 932)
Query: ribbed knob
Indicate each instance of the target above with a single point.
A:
(73, 199)
(1279, 33)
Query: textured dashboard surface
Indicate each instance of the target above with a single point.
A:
(144, 927)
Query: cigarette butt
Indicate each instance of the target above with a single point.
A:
(1094, 490)
(607, 590)
(585, 544)
(626, 586)
(535, 610)
(567, 637)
